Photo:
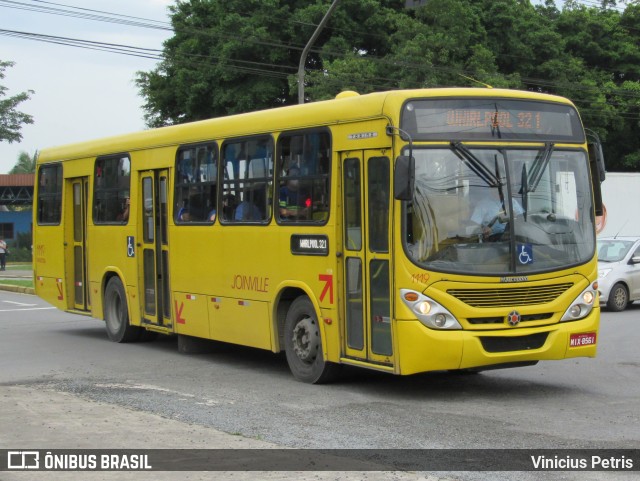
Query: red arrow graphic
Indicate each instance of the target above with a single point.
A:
(328, 287)
(179, 318)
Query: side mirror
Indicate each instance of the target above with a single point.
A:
(598, 172)
(403, 177)
(634, 260)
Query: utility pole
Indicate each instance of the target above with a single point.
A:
(308, 46)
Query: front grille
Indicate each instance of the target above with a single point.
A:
(510, 297)
(503, 320)
(508, 344)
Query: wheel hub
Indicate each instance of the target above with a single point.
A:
(306, 340)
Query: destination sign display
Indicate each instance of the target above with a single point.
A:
(491, 119)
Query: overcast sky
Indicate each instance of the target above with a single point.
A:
(80, 94)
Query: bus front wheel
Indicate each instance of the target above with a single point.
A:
(116, 313)
(303, 344)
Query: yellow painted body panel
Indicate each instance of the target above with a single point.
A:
(240, 321)
(51, 289)
(191, 317)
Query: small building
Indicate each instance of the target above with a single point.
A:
(16, 190)
(13, 223)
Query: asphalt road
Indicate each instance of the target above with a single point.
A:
(64, 385)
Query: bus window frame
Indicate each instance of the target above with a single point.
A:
(282, 178)
(117, 189)
(268, 179)
(177, 184)
(57, 195)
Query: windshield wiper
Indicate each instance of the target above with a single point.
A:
(525, 190)
(495, 125)
(539, 166)
(475, 164)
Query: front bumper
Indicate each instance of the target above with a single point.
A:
(422, 349)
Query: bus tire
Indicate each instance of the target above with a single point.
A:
(303, 344)
(116, 313)
(618, 298)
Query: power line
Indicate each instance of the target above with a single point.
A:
(154, 54)
(85, 14)
(89, 44)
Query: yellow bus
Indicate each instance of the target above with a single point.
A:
(404, 231)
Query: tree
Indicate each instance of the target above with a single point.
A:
(230, 56)
(11, 120)
(221, 60)
(26, 164)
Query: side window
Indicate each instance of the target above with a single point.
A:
(379, 195)
(49, 194)
(247, 185)
(196, 187)
(111, 190)
(303, 174)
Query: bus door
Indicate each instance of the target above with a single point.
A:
(79, 196)
(154, 261)
(366, 202)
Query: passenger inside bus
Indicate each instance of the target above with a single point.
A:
(228, 206)
(123, 216)
(247, 210)
(183, 214)
(294, 203)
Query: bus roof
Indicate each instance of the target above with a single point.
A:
(343, 109)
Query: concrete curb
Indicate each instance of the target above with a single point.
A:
(21, 289)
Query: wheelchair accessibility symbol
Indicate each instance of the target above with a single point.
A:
(131, 249)
(525, 253)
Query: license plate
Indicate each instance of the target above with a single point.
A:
(584, 339)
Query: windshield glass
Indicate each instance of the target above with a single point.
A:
(499, 211)
(613, 250)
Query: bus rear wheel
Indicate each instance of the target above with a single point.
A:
(116, 313)
(303, 344)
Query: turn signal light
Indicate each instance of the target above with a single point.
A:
(411, 296)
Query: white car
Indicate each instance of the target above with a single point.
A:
(618, 271)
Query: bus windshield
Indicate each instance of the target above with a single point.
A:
(499, 211)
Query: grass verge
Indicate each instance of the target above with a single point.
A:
(17, 282)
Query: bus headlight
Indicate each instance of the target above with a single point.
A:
(429, 312)
(582, 305)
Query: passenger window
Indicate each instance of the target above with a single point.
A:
(303, 174)
(49, 194)
(247, 185)
(196, 184)
(111, 190)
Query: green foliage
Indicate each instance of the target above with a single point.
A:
(11, 120)
(26, 164)
(234, 56)
(20, 249)
(21, 254)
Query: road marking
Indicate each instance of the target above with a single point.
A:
(20, 303)
(29, 309)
